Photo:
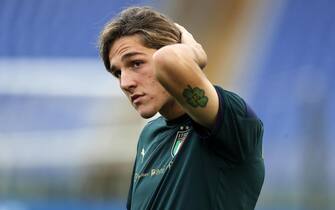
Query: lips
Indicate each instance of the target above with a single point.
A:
(135, 98)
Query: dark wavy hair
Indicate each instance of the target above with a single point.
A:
(155, 29)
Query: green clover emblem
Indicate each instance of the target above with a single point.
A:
(195, 96)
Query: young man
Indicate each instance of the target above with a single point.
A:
(205, 151)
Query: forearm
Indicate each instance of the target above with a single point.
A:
(177, 69)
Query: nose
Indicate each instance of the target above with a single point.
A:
(127, 81)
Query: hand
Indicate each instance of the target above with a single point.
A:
(200, 55)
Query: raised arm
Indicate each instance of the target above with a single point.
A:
(179, 69)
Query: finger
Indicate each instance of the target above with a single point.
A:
(181, 28)
(185, 34)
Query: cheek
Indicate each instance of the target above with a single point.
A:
(150, 80)
(157, 90)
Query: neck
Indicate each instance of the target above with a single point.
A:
(171, 110)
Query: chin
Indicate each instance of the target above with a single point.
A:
(147, 113)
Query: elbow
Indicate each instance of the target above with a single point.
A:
(164, 61)
(165, 57)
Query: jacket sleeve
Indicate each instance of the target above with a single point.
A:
(237, 133)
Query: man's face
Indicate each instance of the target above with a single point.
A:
(132, 64)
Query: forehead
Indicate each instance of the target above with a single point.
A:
(126, 44)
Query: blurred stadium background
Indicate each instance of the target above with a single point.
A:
(68, 136)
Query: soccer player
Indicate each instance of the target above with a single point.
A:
(205, 150)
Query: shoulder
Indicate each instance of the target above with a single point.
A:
(152, 127)
(149, 131)
(155, 123)
(233, 102)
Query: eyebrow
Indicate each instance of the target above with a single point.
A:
(125, 57)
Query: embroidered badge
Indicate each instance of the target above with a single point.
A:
(179, 140)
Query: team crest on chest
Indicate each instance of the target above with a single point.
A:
(179, 140)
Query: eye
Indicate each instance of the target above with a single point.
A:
(136, 64)
(117, 73)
